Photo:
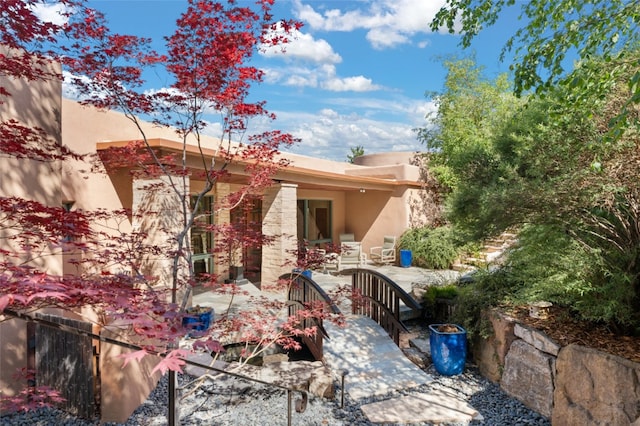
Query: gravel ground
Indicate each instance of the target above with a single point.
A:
(233, 402)
(228, 401)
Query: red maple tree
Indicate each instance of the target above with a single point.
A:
(207, 59)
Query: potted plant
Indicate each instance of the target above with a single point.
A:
(197, 319)
(439, 302)
(448, 344)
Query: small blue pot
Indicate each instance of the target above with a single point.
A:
(406, 257)
(448, 350)
(198, 322)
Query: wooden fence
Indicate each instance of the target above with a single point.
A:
(65, 361)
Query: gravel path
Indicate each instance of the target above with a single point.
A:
(234, 402)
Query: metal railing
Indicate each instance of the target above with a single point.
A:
(379, 297)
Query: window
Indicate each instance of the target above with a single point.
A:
(314, 221)
(201, 236)
(67, 206)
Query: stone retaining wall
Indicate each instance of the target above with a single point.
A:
(571, 385)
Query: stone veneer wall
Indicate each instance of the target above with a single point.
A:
(157, 211)
(571, 385)
(280, 220)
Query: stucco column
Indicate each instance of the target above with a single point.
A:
(158, 212)
(280, 220)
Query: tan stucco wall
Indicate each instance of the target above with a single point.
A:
(373, 214)
(34, 104)
(385, 159)
(122, 389)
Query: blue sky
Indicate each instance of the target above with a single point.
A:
(356, 74)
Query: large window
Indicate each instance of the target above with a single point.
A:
(201, 236)
(314, 221)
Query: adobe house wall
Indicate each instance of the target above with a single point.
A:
(373, 214)
(34, 104)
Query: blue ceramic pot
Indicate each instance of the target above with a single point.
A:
(448, 349)
(198, 321)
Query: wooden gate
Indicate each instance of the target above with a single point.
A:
(65, 361)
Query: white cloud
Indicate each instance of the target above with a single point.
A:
(323, 76)
(388, 22)
(322, 73)
(330, 134)
(51, 12)
(303, 46)
(350, 84)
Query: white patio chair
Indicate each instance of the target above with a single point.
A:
(345, 238)
(351, 255)
(386, 253)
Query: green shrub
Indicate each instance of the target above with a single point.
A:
(434, 292)
(433, 248)
(548, 264)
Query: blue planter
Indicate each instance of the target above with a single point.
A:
(448, 349)
(406, 256)
(198, 322)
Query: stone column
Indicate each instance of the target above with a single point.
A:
(158, 211)
(222, 216)
(280, 220)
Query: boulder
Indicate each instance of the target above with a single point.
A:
(489, 354)
(596, 388)
(537, 339)
(312, 376)
(321, 382)
(529, 377)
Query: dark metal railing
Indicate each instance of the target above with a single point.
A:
(305, 294)
(379, 297)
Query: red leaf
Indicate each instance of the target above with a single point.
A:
(173, 361)
(137, 356)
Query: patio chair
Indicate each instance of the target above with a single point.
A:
(386, 253)
(351, 254)
(344, 238)
(331, 262)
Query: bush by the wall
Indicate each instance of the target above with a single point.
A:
(432, 248)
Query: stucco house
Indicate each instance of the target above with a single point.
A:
(312, 199)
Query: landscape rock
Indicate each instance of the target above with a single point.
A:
(405, 339)
(422, 345)
(529, 377)
(537, 339)
(596, 388)
(416, 357)
(312, 376)
(489, 354)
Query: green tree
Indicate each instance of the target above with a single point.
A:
(356, 151)
(554, 32)
(576, 199)
(472, 111)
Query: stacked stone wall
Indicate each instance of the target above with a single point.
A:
(571, 385)
(279, 220)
